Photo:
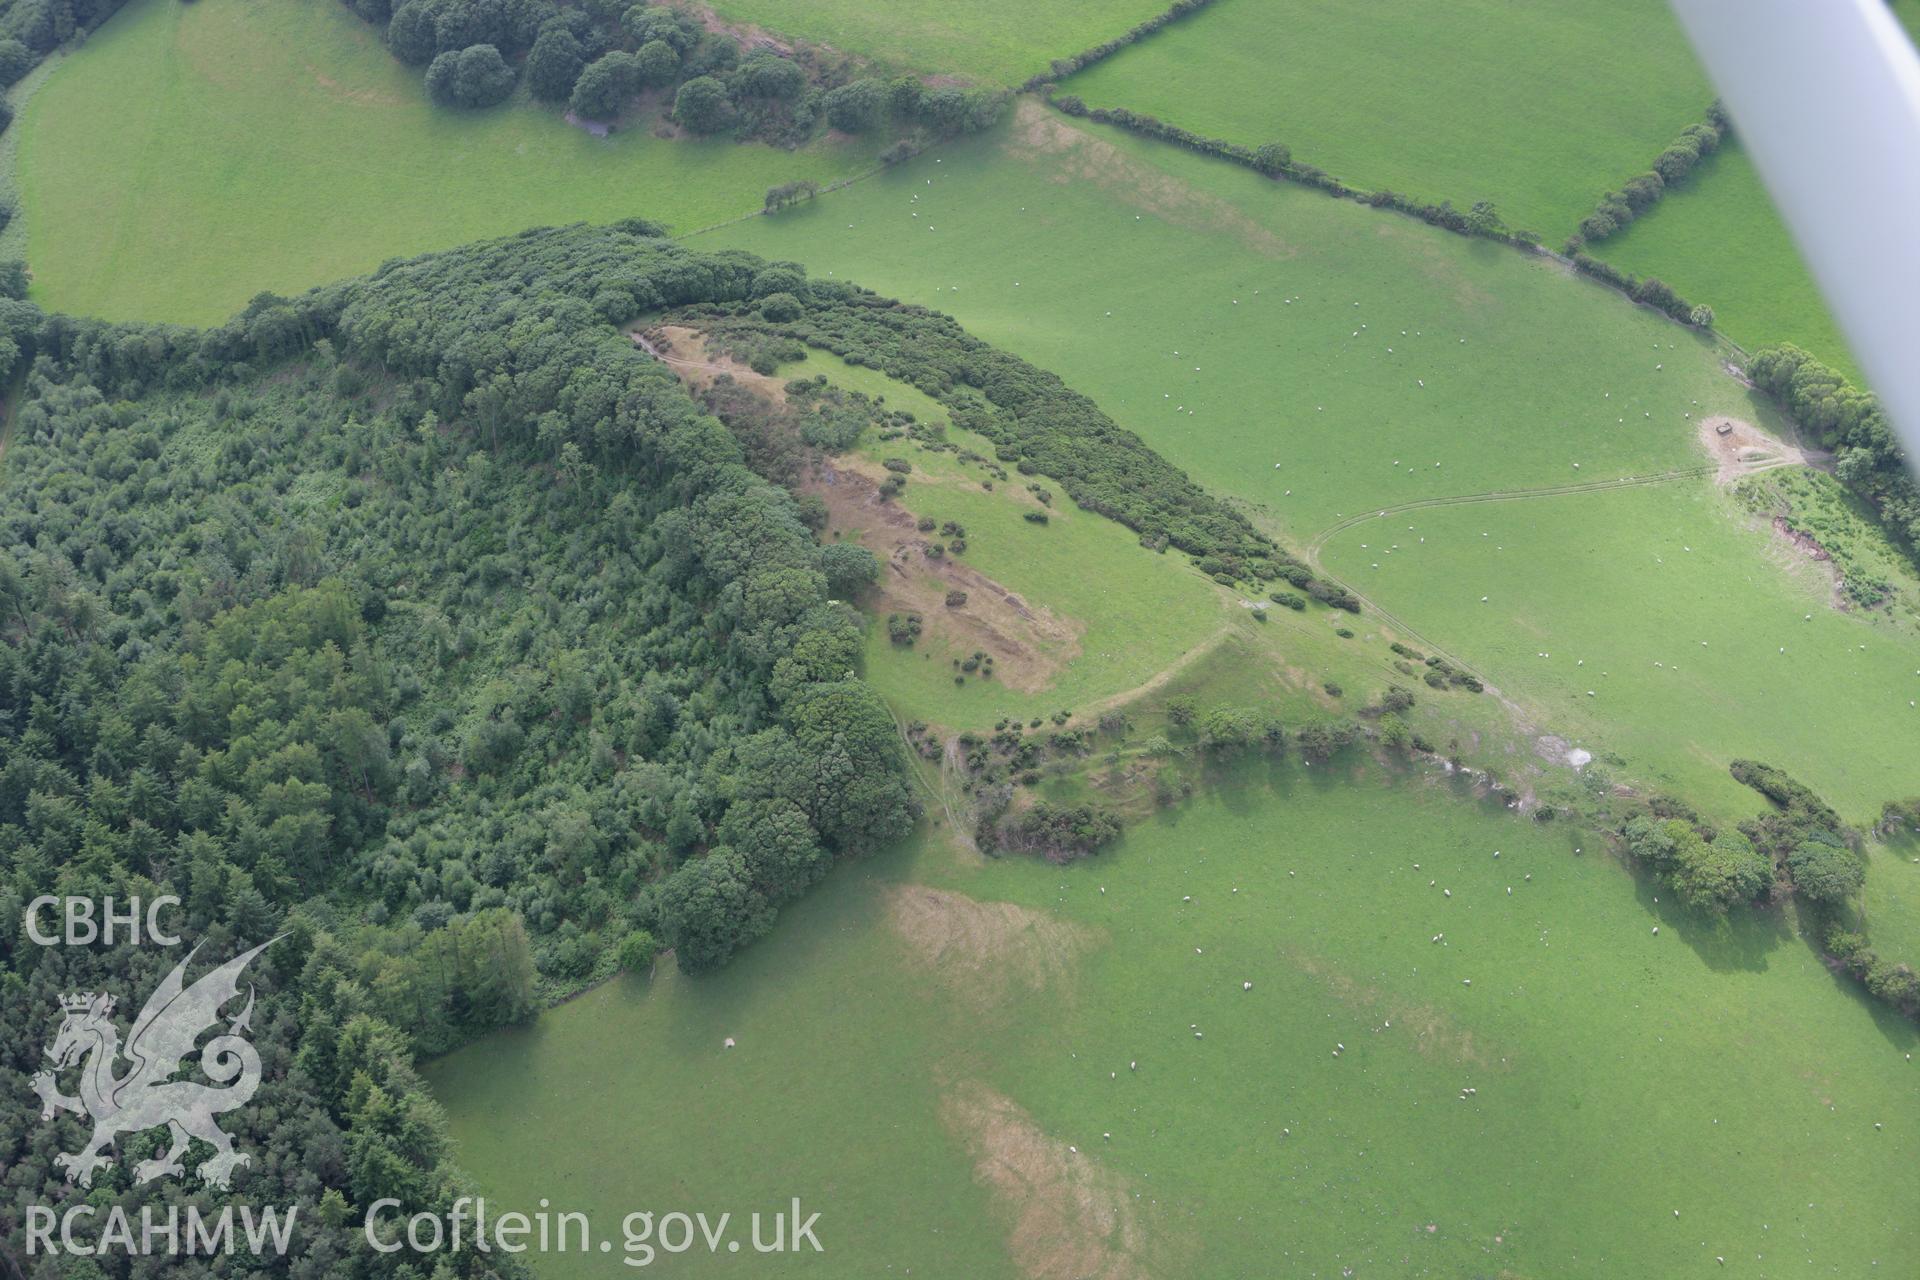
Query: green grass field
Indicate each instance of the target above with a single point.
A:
(277, 146)
(1609, 584)
(1717, 240)
(1621, 1075)
(987, 41)
(1555, 371)
(1890, 902)
(1538, 107)
(1449, 1063)
(1027, 238)
(1908, 11)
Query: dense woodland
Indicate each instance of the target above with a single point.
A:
(423, 619)
(427, 622)
(598, 57)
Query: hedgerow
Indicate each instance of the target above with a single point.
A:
(1061, 68)
(1799, 845)
(1617, 210)
(1275, 160)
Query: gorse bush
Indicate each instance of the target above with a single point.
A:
(1059, 833)
(1712, 875)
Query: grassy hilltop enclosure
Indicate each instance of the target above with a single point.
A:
(1004, 615)
(1279, 398)
(1534, 106)
(1101, 618)
(278, 146)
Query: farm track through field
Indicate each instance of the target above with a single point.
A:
(943, 794)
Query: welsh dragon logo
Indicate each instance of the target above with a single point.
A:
(147, 1096)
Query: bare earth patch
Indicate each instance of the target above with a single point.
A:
(1071, 1218)
(1800, 553)
(685, 351)
(1029, 643)
(986, 951)
(750, 38)
(1555, 749)
(1742, 448)
(1808, 545)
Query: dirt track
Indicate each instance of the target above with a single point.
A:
(1740, 449)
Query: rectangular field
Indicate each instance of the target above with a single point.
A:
(1535, 106)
